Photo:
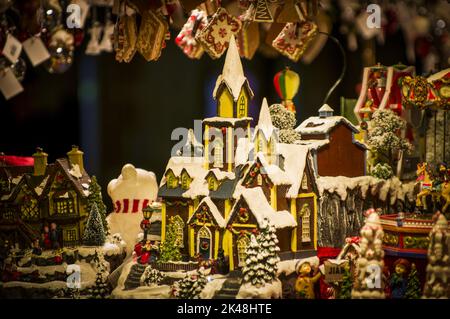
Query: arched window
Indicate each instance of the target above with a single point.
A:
(305, 214)
(242, 243)
(218, 154)
(204, 247)
(179, 231)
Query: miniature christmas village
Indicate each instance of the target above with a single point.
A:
(338, 207)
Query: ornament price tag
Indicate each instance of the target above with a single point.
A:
(36, 50)
(12, 49)
(9, 85)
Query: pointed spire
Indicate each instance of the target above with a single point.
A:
(265, 121)
(232, 73)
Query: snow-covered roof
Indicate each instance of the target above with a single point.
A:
(275, 173)
(295, 157)
(313, 144)
(214, 211)
(325, 108)
(221, 175)
(243, 149)
(320, 125)
(230, 120)
(233, 73)
(261, 209)
(265, 121)
(392, 187)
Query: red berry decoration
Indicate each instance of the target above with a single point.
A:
(224, 130)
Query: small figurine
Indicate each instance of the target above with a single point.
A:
(54, 236)
(399, 279)
(146, 252)
(37, 250)
(46, 242)
(304, 285)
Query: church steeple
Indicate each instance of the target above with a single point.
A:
(232, 91)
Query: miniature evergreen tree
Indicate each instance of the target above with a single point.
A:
(384, 139)
(262, 259)
(437, 284)
(345, 291)
(100, 290)
(369, 283)
(151, 277)
(382, 171)
(95, 196)
(190, 286)
(170, 251)
(285, 121)
(94, 234)
(413, 290)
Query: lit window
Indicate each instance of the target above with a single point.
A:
(242, 104)
(218, 155)
(305, 214)
(242, 244)
(70, 235)
(179, 231)
(185, 181)
(64, 206)
(29, 209)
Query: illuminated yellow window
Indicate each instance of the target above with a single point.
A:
(242, 105)
(305, 214)
(242, 243)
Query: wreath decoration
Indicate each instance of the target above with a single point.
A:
(205, 245)
(243, 215)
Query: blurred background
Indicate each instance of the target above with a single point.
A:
(122, 113)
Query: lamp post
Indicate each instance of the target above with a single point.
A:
(145, 224)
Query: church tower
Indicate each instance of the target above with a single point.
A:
(233, 94)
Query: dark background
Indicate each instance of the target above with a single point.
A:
(125, 113)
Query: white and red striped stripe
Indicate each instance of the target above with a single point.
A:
(137, 205)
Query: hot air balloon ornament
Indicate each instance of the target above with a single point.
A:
(286, 84)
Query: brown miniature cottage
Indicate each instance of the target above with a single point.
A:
(34, 196)
(334, 148)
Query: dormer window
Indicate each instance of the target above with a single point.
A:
(213, 183)
(172, 181)
(185, 180)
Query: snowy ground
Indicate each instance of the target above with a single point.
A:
(268, 291)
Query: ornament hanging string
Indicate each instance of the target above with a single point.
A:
(344, 65)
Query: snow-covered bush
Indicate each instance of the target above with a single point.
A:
(382, 171)
(190, 286)
(288, 136)
(151, 277)
(284, 120)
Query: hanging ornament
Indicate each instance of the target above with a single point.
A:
(61, 47)
(262, 12)
(49, 16)
(290, 13)
(248, 40)
(215, 37)
(152, 35)
(186, 38)
(294, 39)
(19, 68)
(125, 38)
(108, 33)
(286, 84)
(93, 47)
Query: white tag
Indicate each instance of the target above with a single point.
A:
(12, 49)
(9, 85)
(36, 50)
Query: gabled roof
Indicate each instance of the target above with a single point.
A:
(261, 209)
(220, 175)
(274, 172)
(213, 209)
(232, 74)
(265, 121)
(318, 125)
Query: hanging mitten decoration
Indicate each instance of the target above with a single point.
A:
(93, 47)
(262, 12)
(125, 37)
(248, 40)
(216, 35)
(294, 39)
(152, 34)
(186, 38)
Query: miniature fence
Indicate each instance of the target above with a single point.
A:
(168, 266)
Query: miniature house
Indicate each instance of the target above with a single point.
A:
(219, 200)
(34, 196)
(333, 145)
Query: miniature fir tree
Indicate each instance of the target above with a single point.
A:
(261, 263)
(437, 284)
(170, 251)
(384, 138)
(285, 121)
(345, 291)
(369, 265)
(413, 290)
(94, 233)
(95, 196)
(191, 286)
(100, 290)
(151, 277)
(382, 171)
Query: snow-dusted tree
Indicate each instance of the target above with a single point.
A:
(413, 290)
(95, 196)
(261, 262)
(100, 289)
(437, 284)
(382, 171)
(384, 137)
(151, 277)
(190, 286)
(170, 251)
(369, 283)
(285, 121)
(94, 233)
